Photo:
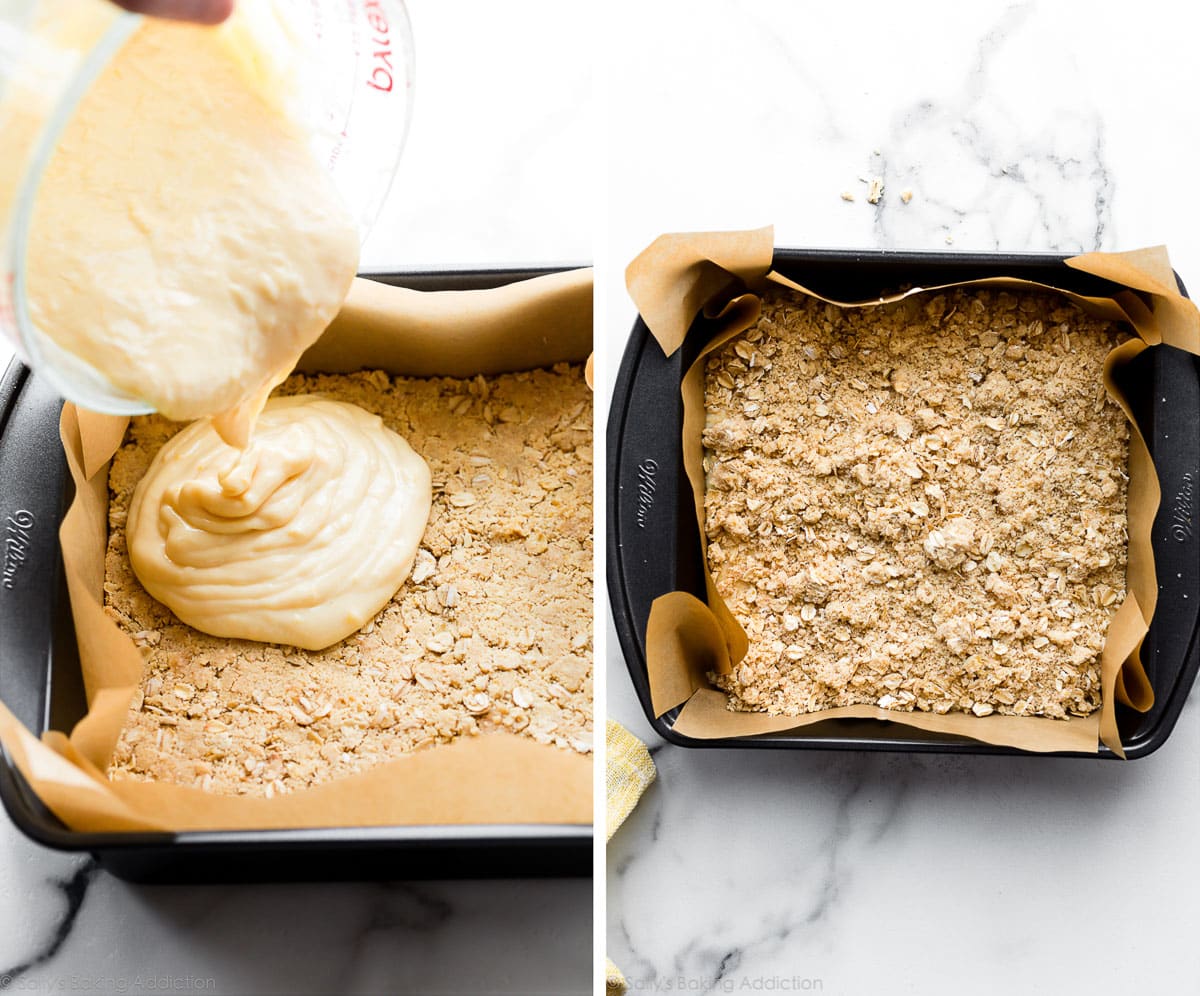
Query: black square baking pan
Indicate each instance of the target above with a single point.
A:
(40, 682)
(654, 543)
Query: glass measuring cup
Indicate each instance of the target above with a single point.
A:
(347, 68)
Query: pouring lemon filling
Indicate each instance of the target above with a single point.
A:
(185, 241)
(187, 244)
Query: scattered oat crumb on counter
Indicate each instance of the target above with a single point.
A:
(847, 195)
(919, 506)
(875, 190)
(492, 630)
(906, 196)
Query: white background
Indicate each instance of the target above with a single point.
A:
(498, 165)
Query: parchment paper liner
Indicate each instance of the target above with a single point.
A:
(680, 275)
(492, 778)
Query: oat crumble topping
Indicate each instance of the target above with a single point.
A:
(491, 631)
(919, 506)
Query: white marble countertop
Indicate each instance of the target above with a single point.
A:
(491, 175)
(1028, 126)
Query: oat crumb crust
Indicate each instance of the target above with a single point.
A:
(919, 506)
(491, 631)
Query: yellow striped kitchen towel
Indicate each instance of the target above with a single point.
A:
(630, 771)
(614, 981)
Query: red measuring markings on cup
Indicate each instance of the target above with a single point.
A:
(382, 74)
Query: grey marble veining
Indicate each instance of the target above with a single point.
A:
(989, 171)
(867, 871)
(1017, 127)
(67, 926)
(66, 886)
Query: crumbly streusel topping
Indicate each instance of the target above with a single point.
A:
(493, 630)
(919, 506)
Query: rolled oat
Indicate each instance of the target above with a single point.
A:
(925, 508)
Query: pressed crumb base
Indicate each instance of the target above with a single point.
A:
(493, 630)
(919, 506)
